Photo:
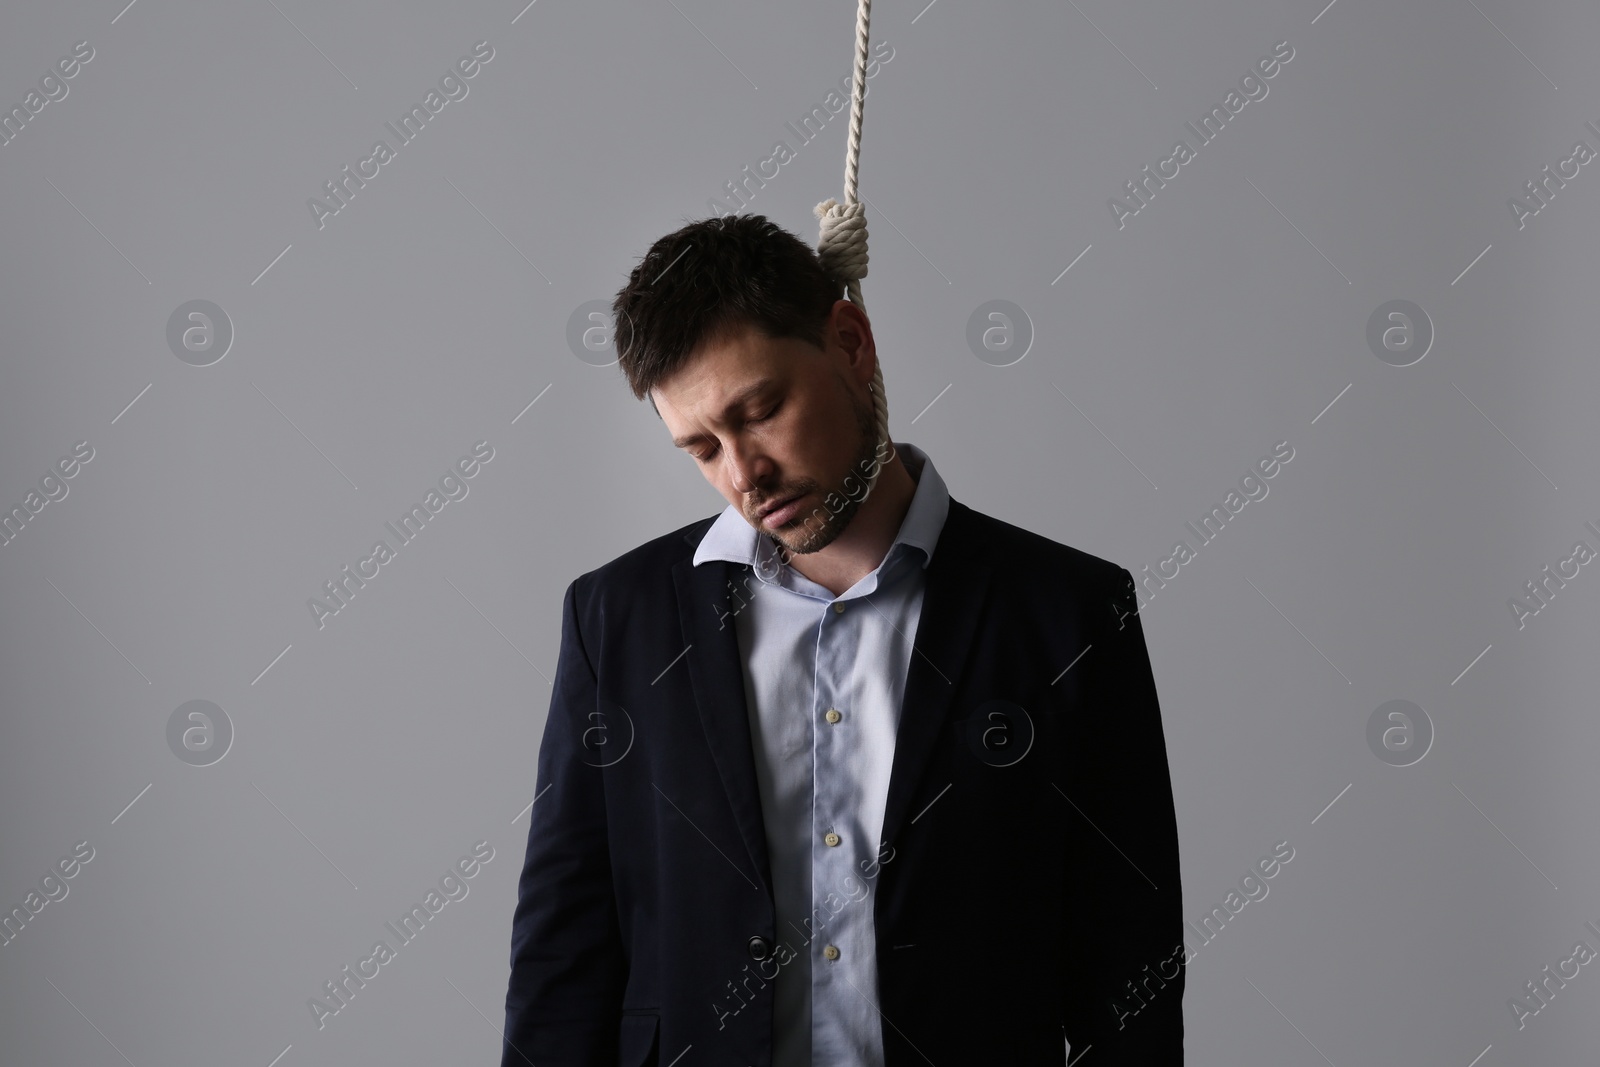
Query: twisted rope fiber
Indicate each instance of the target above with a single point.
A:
(842, 241)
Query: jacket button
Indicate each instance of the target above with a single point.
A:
(759, 948)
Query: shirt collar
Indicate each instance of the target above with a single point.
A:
(732, 538)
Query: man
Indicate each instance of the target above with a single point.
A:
(850, 773)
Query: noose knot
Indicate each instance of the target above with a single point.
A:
(842, 243)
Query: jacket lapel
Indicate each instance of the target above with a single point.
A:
(717, 677)
(958, 584)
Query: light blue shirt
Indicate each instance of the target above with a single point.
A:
(824, 777)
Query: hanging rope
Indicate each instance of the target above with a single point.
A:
(842, 242)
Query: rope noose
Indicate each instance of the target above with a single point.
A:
(842, 242)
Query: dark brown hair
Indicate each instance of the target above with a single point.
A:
(713, 276)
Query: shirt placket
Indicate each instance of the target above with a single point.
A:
(844, 971)
(833, 788)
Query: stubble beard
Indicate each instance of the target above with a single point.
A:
(816, 531)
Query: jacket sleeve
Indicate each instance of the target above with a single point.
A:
(568, 968)
(1125, 955)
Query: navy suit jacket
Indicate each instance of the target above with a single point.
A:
(1027, 888)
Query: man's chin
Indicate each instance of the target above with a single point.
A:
(792, 542)
(803, 536)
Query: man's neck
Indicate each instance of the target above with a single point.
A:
(861, 548)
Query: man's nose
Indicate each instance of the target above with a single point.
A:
(745, 467)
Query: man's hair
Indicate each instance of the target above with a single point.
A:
(712, 278)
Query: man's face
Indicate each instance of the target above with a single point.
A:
(768, 419)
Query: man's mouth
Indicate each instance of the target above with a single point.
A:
(780, 512)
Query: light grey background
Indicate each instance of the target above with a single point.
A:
(1227, 316)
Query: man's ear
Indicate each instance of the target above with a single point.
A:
(854, 331)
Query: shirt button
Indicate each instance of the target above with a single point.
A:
(831, 838)
(832, 715)
(838, 607)
(831, 952)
